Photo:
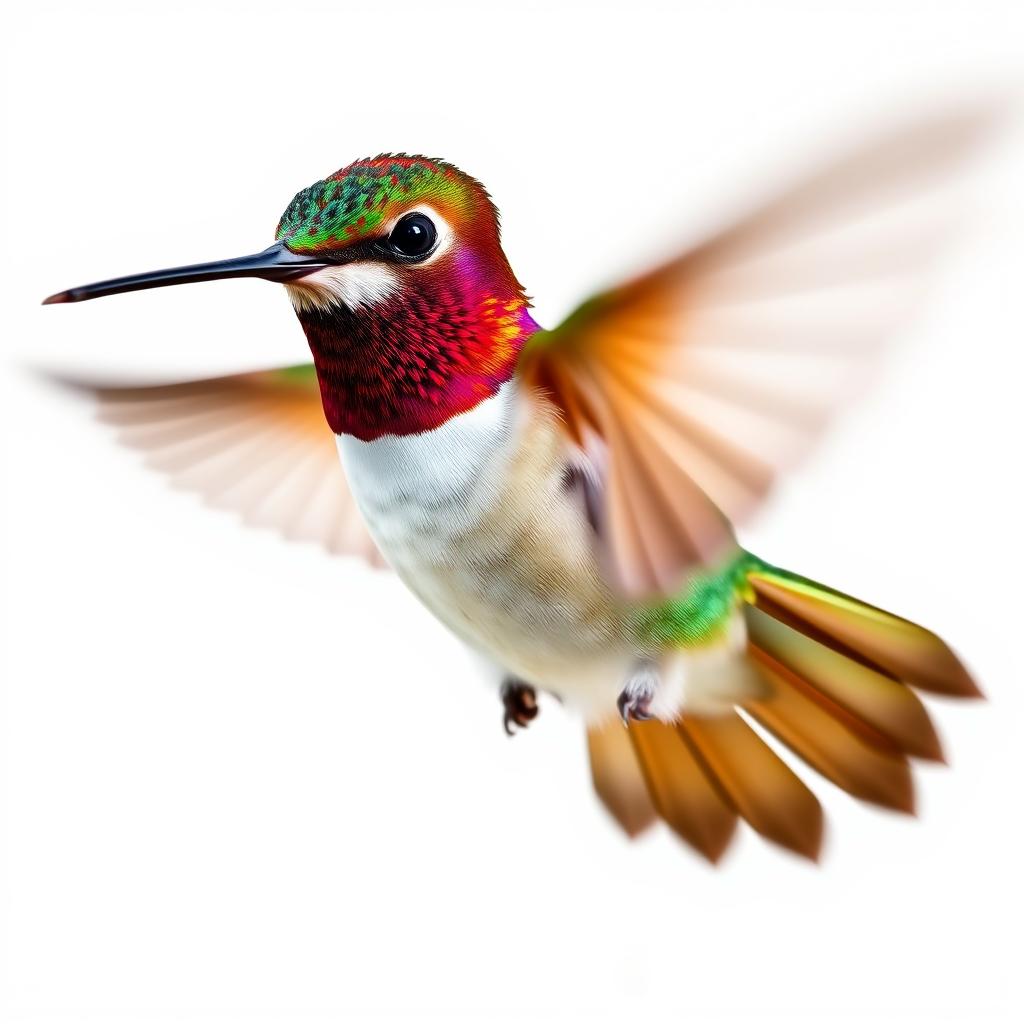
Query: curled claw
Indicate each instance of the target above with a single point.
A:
(520, 701)
(634, 703)
(632, 707)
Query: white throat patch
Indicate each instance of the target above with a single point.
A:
(435, 470)
(350, 284)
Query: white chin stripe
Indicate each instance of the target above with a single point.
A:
(350, 284)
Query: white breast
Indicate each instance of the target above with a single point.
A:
(420, 490)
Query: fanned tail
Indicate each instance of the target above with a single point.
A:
(839, 690)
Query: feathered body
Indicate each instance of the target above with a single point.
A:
(476, 518)
(482, 520)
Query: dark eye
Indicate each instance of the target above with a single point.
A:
(413, 236)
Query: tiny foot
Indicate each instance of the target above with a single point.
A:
(520, 700)
(635, 700)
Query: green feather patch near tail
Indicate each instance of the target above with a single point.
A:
(701, 613)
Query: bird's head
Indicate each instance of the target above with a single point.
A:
(415, 315)
(395, 269)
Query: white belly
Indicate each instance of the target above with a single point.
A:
(475, 519)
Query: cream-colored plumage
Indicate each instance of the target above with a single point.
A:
(482, 522)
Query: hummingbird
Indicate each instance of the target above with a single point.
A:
(563, 499)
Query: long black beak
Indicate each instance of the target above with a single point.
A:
(274, 264)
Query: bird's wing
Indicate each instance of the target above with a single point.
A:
(692, 386)
(254, 443)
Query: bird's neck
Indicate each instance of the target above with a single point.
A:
(410, 362)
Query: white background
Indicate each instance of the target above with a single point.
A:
(246, 782)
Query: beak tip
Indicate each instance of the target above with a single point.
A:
(58, 297)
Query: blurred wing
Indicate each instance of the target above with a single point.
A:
(254, 443)
(692, 386)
